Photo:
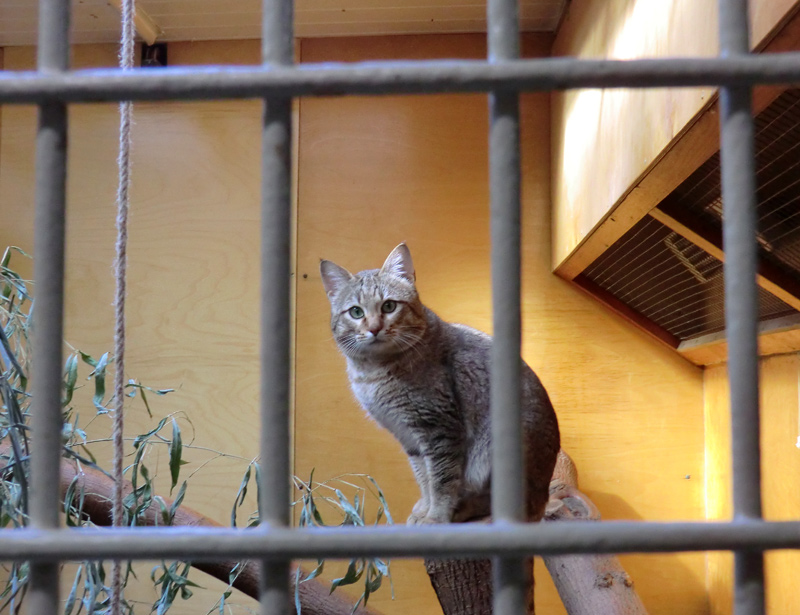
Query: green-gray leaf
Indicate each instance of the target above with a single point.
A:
(353, 574)
(175, 451)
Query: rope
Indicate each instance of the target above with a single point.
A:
(120, 272)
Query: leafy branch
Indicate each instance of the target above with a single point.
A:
(320, 504)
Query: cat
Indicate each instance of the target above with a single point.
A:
(427, 382)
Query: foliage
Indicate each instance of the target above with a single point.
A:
(90, 592)
(328, 497)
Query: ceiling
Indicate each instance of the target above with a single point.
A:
(97, 21)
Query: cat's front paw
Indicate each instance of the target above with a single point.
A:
(420, 508)
(419, 512)
(429, 519)
(424, 520)
(414, 519)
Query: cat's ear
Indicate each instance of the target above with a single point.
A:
(399, 263)
(333, 276)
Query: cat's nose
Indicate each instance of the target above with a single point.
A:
(374, 328)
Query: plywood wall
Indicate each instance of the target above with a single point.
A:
(193, 273)
(606, 142)
(377, 171)
(372, 172)
(780, 474)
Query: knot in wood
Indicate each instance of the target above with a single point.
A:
(608, 579)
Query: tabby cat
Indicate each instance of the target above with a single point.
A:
(427, 382)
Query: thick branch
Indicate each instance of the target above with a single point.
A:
(587, 584)
(315, 598)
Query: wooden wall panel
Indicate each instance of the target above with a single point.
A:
(780, 476)
(606, 142)
(193, 274)
(377, 171)
(372, 172)
(97, 21)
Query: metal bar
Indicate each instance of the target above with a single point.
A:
(737, 154)
(511, 576)
(462, 540)
(508, 494)
(277, 49)
(367, 78)
(49, 224)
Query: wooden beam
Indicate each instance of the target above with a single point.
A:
(693, 146)
(625, 311)
(146, 27)
(777, 336)
(771, 277)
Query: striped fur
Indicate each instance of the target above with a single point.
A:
(427, 382)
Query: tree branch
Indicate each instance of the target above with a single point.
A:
(315, 597)
(588, 584)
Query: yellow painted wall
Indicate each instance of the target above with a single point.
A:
(780, 476)
(372, 172)
(193, 274)
(604, 142)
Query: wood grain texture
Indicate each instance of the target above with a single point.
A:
(377, 171)
(608, 171)
(719, 498)
(779, 336)
(372, 172)
(780, 474)
(193, 273)
(637, 319)
(96, 21)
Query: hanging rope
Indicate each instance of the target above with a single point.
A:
(120, 272)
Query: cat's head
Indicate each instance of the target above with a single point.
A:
(375, 314)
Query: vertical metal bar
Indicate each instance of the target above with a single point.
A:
(51, 175)
(511, 578)
(277, 49)
(741, 306)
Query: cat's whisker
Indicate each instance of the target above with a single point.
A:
(408, 345)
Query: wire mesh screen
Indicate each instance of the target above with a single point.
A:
(778, 198)
(671, 281)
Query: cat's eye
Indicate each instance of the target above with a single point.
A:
(389, 306)
(356, 312)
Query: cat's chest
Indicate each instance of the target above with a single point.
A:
(390, 395)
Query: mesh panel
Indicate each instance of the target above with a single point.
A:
(777, 148)
(670, 281)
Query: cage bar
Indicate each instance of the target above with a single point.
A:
(277, 49)
(447, 541)
(737, 155)
(51, 175)
(366, 78)
(52, 86)
(511, 576)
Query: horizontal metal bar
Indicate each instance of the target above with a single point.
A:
(105, 85)
(455, 540)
